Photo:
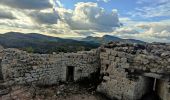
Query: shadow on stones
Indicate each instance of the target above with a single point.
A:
(150, 96)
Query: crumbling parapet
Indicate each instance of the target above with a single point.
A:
(46, 69)
(116, 83)
(127, 71)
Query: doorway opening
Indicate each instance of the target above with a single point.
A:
(152, 90)
(70, 74)
(1, 76)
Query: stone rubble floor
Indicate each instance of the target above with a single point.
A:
(61, 92)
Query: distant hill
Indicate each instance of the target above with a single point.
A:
(109, 38)
(39, 43)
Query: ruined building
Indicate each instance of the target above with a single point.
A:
(127, 71)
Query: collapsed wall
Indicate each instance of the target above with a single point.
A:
(46, 69)
(129, 70)
(115, 83)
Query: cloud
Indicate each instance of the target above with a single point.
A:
(27, 4)
(85, 33)
(159, 30)
(89, 16)
(104, 0)
(86, 19)
(153, 2)
(57, 3)
(142, 30)
(125, 30)
(6, 14)
(44, 17)
(154, 8)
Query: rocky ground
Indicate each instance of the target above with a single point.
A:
(59, 92)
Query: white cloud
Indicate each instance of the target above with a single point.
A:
(146, 31)
(104, 0)
(58, 3)
(125, 30)
(159, 30)
(27, 4)
(153, 8)
(86, 19)
(89, 16)
(153, 2)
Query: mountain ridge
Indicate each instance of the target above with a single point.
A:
(109, 38)
(39, 43)
(42, 43)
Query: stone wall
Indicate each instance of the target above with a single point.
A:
(115, 82)
(163, 89)
(150, 58)
(47, 69)
(1, 54)
(128, 69)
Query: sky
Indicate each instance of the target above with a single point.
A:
(147, 20)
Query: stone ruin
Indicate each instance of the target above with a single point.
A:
(126, 71)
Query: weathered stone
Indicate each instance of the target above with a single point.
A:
(124, 84)
(124, 67)
(51, 68)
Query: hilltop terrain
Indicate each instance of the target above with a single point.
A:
(38, 43)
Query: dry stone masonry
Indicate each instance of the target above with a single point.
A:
(127, 71)
(47, 69)
(131, 70)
